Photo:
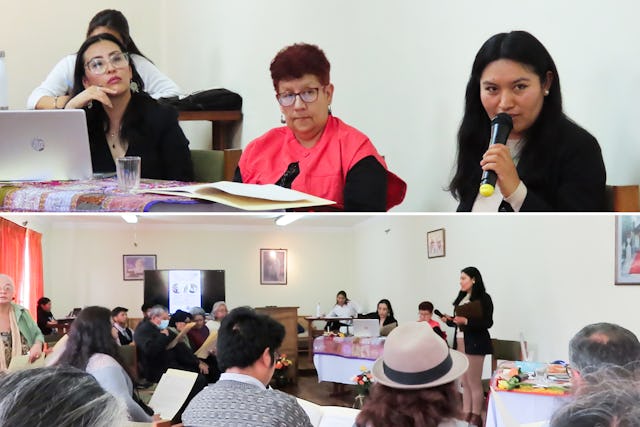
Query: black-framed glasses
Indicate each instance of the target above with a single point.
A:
(99, 65)
(307, 95)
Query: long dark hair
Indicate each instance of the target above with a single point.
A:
(477, 290)
(474, 132)
(388, 304)
(344, 294)
(90, 333)
(426, 407)
(116, 21)
(133, 127)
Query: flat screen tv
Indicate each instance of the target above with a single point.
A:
(184, 289)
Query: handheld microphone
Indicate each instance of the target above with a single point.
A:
(438, 313)
(501, 125)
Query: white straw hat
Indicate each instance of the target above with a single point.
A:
(416, 357)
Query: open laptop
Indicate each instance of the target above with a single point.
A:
(44, 145)
(366, 327)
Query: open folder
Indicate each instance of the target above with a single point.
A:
(251, 197)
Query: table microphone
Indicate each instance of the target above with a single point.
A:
(501, 125)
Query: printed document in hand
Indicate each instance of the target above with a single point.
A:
(252, 197)
(171, 392)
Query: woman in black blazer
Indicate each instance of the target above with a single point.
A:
(473, 311)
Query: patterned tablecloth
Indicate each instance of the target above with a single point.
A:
(98, 195)
(350, 347)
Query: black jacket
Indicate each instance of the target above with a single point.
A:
(574, 179)
(476, 332)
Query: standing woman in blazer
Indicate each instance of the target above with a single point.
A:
(473, 316)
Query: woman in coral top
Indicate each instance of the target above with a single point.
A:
(315, 152)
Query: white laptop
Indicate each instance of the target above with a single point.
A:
(366, 327)
(44, 145)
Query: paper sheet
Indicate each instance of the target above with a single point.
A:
(208, 345)
(19, 363)
(182, 333)
(171, 392)
(253, 197)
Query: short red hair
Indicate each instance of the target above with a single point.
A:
(293, 62)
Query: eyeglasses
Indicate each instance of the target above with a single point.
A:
(99, 65)
(287, 99)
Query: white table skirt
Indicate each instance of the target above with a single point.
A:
(339, 369)
(509, 409)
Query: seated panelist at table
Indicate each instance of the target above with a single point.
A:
(54, 92)
(121, 118)
(548, 163)
(316, 152)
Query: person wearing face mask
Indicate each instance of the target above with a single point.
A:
(549, 163)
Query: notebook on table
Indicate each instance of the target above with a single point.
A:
(366, 327)
(44, 145)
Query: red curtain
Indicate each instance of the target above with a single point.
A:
(14, 241)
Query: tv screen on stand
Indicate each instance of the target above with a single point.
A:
(179, 289)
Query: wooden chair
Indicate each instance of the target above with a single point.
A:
(623, 198)
(130, 359)
(215, 165)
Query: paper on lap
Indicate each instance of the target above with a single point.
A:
(18, 363)
(245, 196)
(329, 416)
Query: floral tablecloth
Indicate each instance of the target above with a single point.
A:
(98, 195)
(349, 347)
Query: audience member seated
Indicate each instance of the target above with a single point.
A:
(414, 381)
(425, 314)
(199, 333)
(122, 119)
(19, 334)
(599, 345)
(315, 152)
(177, 323)
(344, 308)
(120, 321)
(91, 347)
(608, 397)
(45, 319)
(61, 396)
(152, 337)
(55, 91)
(247, 343)
(218, 312)
(144, 308)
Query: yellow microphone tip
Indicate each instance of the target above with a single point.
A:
(486, 190)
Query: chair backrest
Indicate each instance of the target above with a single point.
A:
(215, 165)
(505, 350)
(623, 198)
(130, 359)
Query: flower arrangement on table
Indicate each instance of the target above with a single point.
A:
(334, 334)
(282, 363)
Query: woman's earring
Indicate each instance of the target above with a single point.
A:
(546, 92)
(90, 104)
(329, 109)
(134, 87)
(282, 120)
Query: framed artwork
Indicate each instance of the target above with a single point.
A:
(436, 243)
(133, 266)
(273, 266)
(628, 250)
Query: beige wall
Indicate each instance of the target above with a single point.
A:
(400, 68)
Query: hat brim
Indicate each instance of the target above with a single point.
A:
(458, 367)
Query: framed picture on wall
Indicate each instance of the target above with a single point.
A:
(436, 243)
(628, 250)
(133, 266)
(273, 266)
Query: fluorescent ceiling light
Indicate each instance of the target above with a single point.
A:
(288, 218)
(130, 218)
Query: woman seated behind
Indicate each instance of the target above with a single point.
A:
(384, 314)
(55, 91)
(414, 381)
(122, 119)
(549, 163)
(19, 334)
(344, 308)
(92, 348)
(46, 321)
(315, 152)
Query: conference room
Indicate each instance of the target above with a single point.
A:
(548, 276)
(419, 64)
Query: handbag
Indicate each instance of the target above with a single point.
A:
(210, 99)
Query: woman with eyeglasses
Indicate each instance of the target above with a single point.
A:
(315, 152)
(122, 119)
(55, 91)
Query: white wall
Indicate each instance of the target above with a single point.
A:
(548, 275)
(400, 68)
